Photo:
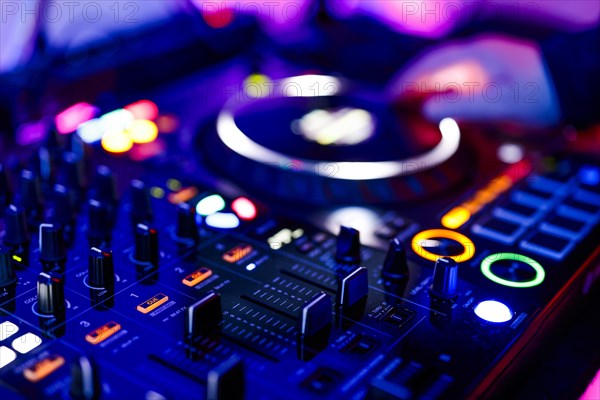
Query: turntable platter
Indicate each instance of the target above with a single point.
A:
(344, 146)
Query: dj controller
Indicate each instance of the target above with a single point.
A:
(244, 253)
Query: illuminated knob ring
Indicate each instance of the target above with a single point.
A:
(486, 270)
(468, 245)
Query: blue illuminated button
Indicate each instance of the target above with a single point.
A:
(547, 245)
(222, 221)
(498, 230)
(493, 311)
(589, 175)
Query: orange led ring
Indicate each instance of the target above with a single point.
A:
(417, 245)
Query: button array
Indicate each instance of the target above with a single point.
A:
(561, 208)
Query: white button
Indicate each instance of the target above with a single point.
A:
(6, 356)
(26, 343)
(7, 329)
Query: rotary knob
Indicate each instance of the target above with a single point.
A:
(99, 223)
(101, 270)
(50, 293)
(7, 272)
(187, 230)
(52, 244)
(146, 245)
(348, 246)
(141, 207)
(395, 266)
(31, 196)
(445, 278)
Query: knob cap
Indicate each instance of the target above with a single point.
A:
(104, 188)
(99, 222)
(186, 223)
(31, 196)
(348, 246)
(85, 380)
(226, 382)
(101, 268)
(141, 206)
(72, 176)
(445, 278)
(50, 293)
(395, 266)
(146, 245)
(315, 315)
(7, 272)
(16, 226)
(52, 243)
(6, 192)
(203, 316)
(353, 288)
(63, 207)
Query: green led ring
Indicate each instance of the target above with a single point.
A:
(486, 270)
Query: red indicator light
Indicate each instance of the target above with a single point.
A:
(143, 109)
(244, 208)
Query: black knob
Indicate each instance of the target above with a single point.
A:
(16, 226)
(445, 278)
(186, 224)
(6, 192)
(50, 293)
(63, 207)
(85, 380)
(141, 206)
(353, 287)
(146, 245)
(101, 270)
(52, 244)
(72, 175)
(104, 187)
(99, 223)
(7, 272)
(348, 246)
(203, 316)
(395, 266)
(31, 196)
(226, 382)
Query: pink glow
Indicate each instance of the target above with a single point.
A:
(593, 390)
(143, 109)
(68, 120)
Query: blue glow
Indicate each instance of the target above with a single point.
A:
(210, 205)
(222, 221)
(493, 311)
(119, 120)
(589, 175)
(250, 267)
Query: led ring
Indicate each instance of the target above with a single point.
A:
(468, 245)
(486, 270)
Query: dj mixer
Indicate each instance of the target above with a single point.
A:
(223, 264)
